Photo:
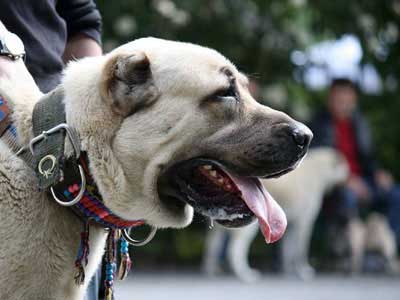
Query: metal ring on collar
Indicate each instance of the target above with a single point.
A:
(47, 172)
(80, 194)
(136, 243)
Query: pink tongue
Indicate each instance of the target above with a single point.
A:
(270, 215)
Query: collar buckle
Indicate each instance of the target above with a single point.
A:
(48, 163)
(44, 135)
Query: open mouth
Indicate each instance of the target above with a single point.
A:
(229, 199)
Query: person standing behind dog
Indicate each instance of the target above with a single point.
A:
(53, 33)
(343, 127)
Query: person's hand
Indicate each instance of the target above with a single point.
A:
(3, 29)
(384, 179)
(15, 79)
(358, 186)
(79, 46)
(14, 71)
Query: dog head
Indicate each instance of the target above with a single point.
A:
(167, 124)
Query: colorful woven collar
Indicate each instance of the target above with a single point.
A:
(91, 209)
(8, 132)
(90, 206)
(5, 120)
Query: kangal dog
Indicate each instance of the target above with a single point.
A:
(300, 194)
(168, 128)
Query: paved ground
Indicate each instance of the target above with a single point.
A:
(178, 286)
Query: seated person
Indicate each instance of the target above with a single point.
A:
(343, 127)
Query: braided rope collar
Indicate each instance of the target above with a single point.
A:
(8, 132)
(90, 205)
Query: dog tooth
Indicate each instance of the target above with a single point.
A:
(228, 186)
(207, 167)
(213, 173)
(220, 181)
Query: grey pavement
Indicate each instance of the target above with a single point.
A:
(192, 286)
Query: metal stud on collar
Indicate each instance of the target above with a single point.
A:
(126, 234)
(80, 194)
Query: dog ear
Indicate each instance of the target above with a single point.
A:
(127, 83)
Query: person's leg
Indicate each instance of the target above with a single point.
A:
(92, 292)
(393, 211)
(347, 204)
(346, 216)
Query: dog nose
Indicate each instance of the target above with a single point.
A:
(302, 136)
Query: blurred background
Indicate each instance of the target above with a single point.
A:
(292, 50)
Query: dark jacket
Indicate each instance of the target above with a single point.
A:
(45, 26)
(324, 135)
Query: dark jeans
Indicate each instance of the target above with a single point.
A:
(393, 211)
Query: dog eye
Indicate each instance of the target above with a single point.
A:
(227, 94)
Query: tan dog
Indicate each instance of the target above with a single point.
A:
(163, 124)
(300, 193)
